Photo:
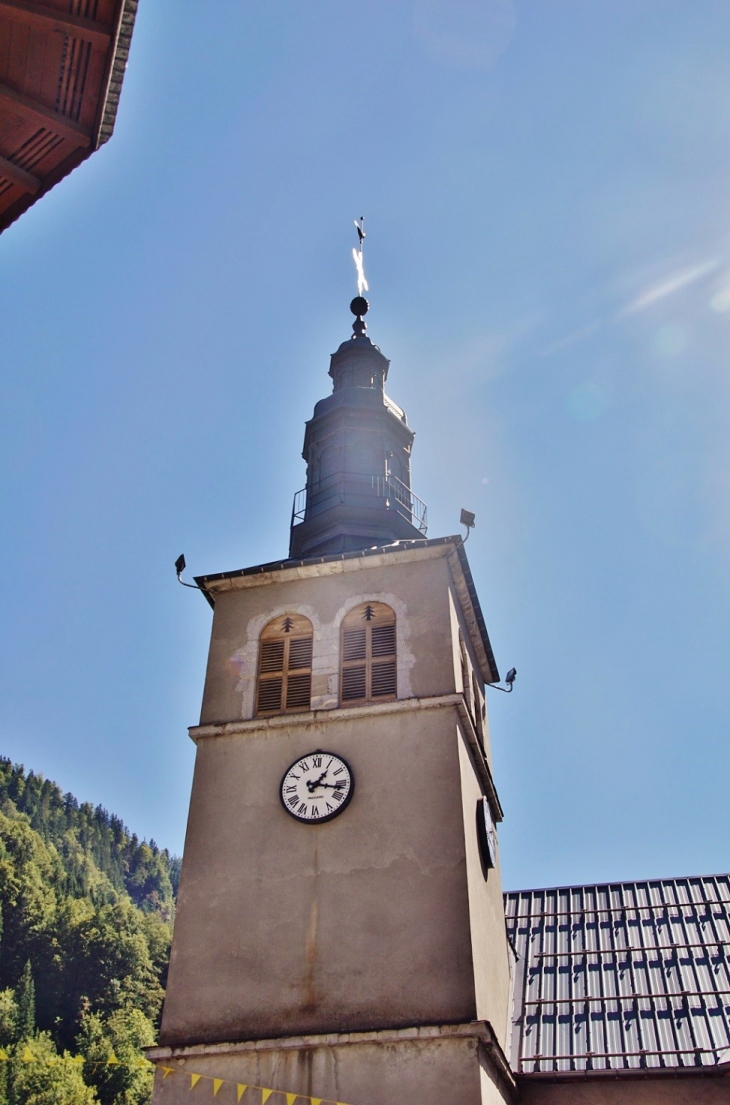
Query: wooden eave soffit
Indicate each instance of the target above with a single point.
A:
(39, 113)
(19, 176)
(50, 19)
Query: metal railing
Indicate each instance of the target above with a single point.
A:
(362, 490)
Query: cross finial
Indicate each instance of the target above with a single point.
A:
(362, 284)
(359, 304)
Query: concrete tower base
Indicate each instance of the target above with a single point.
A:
(410, 1066)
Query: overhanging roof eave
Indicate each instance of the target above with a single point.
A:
(207, 583)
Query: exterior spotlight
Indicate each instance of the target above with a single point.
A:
(509, 680)
(467, 519)
(179, 569)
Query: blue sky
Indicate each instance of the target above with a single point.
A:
(545, 187)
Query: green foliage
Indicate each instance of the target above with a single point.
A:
(120, 1037)
(85, 930)
(25, 1019)
(8, 1017)
(37, 1075)
(91, 842)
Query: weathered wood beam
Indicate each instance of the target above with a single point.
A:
(49, 19)
(19, 176)
(37, 113)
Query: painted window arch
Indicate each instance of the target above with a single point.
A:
(285, 665)
(368, 658)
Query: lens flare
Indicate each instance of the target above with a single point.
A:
(362, 284)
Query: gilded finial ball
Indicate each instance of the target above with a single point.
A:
(359, 306)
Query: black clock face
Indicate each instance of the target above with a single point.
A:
(486, 836)
(316, 787)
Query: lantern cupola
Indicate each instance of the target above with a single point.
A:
(357, 446)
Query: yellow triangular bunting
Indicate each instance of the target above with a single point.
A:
(3, 1055)
(265, 1095)
(27, 1055)
(316, 1100)
(112, 1061)
(240, 1090)
(217, 1083)
(194, 1079)
(167, 1071)
(291, 1097)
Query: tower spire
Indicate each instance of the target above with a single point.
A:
(357, 447)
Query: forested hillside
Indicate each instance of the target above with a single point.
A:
(86, 911)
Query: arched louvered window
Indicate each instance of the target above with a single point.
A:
(368, 669)
(285, 665)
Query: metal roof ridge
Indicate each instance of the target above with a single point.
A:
(616, 882)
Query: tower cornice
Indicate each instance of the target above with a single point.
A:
(451, 548)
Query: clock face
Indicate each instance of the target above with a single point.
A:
(486, 836)
(316, 787)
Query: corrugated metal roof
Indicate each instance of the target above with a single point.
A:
(630, 975)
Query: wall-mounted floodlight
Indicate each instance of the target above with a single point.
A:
(179, 569)
(509, 681)
(467, 519)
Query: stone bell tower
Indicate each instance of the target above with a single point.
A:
(340, 931)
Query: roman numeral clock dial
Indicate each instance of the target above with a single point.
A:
(316, 787)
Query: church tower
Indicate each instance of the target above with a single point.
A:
(340, 932)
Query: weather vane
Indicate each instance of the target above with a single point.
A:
(362, 284)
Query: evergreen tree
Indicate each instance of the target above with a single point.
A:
(85, 929)
(90, 841)
(26, 1004)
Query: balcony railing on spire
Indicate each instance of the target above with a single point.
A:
(363, 490)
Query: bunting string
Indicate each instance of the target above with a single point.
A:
(242, 1087)
(266, 1092)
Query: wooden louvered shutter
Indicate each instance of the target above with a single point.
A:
(368, 654)
(299, 673)
(354, 663)
(285, 665)
(271, 676)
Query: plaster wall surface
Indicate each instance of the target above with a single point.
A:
(659, 1090)
(361, 922)
(365, 922)
(490, 950)
(405, 1072)
(417, 590)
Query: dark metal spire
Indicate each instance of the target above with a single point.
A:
(358, 452)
